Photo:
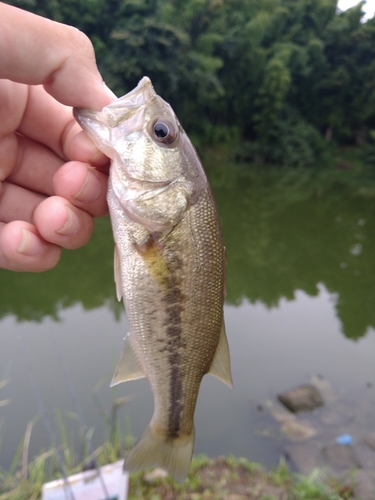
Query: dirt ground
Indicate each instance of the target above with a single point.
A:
(227, 478)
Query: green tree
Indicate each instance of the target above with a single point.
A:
(347, 90)
(279, 74)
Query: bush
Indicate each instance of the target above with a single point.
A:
(291, 142)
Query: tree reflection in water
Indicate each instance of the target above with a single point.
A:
(284, 231)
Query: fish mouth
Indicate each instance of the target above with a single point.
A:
(121, 109)
(127, 106)
(139, 96)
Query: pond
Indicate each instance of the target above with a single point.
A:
(300, 304)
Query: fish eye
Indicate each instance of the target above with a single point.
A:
(164, 131)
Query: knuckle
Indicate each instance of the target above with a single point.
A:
(81, 41)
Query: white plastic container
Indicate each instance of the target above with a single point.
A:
(88, 485)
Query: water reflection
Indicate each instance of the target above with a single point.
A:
(83, 276)
(281, 238)
(283, 233)
(271, 351)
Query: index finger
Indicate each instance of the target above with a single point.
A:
(35, 50)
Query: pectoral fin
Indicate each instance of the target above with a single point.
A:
(220, 367)
(117, 272)
(128, 367)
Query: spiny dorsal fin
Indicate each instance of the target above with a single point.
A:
(220, 366)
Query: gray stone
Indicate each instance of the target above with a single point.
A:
(298, 431)
(341, 457)
(282, 415)
(325, 388)
(366, 457)
(369, 439)
(304, 457)
(302, 398)
(364, 485)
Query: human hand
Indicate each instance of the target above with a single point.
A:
(53, 180)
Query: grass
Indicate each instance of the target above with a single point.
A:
(223, 478)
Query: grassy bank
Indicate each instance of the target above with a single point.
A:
(224, 478)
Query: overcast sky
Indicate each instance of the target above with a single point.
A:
(369, 6)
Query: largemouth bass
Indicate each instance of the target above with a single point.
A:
(169, 267)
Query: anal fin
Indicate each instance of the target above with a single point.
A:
(220, 366)
(128, 366)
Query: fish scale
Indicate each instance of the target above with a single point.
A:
(169, 268)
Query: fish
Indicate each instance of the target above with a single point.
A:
(169, 268)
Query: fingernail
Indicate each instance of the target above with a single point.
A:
(109, 92)
(91, 188)
(30, 244)
(72, 224)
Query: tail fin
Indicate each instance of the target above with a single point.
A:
(157, 449)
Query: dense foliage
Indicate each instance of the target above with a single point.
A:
(287, 76)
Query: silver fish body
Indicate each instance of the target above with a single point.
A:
(169, 267)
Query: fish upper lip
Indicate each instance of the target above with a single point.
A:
(137, 97)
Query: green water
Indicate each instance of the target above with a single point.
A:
(300, 302)
(289, 231)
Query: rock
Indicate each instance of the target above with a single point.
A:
(364, 485)
(298, 431)
(366, 457)
(341, 457)
(325, 389)
(369, 439)
(304, 457)
(302, 398)
(281, 415)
